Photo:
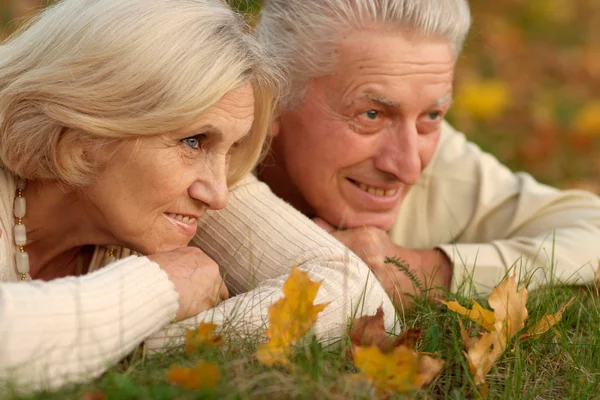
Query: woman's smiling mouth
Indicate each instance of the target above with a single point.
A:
(187, 224)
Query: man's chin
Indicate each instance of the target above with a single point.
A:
(381, 221)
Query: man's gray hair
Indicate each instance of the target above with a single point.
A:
(304, 33)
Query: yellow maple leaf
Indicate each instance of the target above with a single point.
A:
(201, 337)
(203, 375)
(477, 314)
(290, 318)
(546, 322)
(587, 120)
(400, 370)
(273, 353)
(483, 99)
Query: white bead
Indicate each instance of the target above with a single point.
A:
(19, 207)
(21, 183)
(20, 235)
(22, 262)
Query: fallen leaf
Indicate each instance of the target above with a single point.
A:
(509, 304)
(468, 341)
(95, 395)
(477, 314)
(290, 317)
(369, 330)
(273, 353)
(546, 322)
(484, 353)
(203, 375)
(390, 364)
(400, 370)
(509, 315)
(202, 337)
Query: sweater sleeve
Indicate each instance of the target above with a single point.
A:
(71, 330)
(256, 240)
(504, 219)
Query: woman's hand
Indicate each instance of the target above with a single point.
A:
(196, 277)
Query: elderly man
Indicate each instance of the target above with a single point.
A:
(362, 147)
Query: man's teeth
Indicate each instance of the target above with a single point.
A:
(377, 191)
(187, 220)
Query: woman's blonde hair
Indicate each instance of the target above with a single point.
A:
(83, 72)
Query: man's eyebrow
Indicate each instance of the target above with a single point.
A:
(377, 99)
(442, 100)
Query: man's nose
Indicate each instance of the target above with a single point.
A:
(399, 154)
(210, 187)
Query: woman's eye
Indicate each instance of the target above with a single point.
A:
(194, 142)
(371, 114)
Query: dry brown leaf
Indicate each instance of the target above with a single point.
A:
(510, 306)
(369, 330)
(510, 313)
(202, 337)
(290, 318)
(203, 375)
(546, 322)
(468, 341)
(484, 353)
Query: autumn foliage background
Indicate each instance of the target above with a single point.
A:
(527, 84)
(528, 91)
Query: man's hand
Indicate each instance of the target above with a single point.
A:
(196, 277)
(373, 245)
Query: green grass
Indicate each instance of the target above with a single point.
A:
(562, 364)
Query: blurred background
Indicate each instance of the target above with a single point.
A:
(527, 83)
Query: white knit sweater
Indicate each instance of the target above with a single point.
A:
(71, 330)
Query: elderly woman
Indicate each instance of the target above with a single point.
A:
(121, 124)
(362, 144)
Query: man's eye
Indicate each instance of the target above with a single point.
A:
(194, 142)
(371, 114)
(434, 115)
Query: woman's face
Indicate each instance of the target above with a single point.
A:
(151, 190)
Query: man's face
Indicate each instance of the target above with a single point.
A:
(361, 137)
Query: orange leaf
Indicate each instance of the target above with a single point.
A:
(477, 314)
(510, 313)
(290, 317)
(201, 337)
(273, 353)
(546, 322)
(203, 375)
(484, 353)
(390, 364)
(400, 370)
(369, 330)
(509, 306)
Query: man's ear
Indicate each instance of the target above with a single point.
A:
(275, 126)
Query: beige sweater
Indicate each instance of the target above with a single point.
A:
(71, 330)
(487, 219)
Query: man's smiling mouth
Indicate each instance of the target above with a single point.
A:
(374, 190)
